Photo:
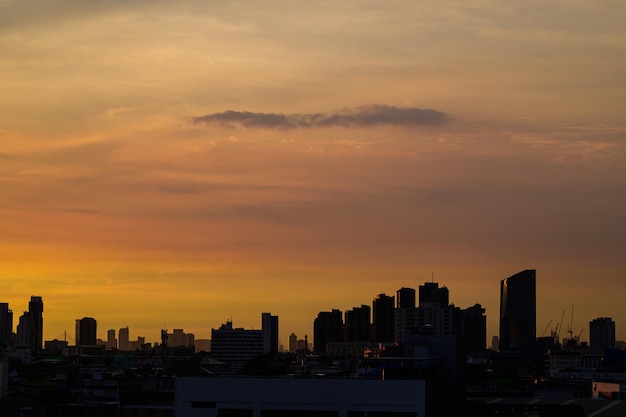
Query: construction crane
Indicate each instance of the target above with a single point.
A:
(558, 331)
(544, 332)
(571, 325)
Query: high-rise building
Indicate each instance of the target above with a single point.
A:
(518, 315)
(602, 333)
(35, 308)
(6, 324)
(383, 322)
(86, 329)
(430, 293)
(23, 329)
(293, 343)
(235, 346)
(474, 329)
(269, 327)
(327, 327)
(357, 324)
(124, 338)
(111, 340)
(405, 298)
(405, 314)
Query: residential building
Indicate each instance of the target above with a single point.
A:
(269, 327)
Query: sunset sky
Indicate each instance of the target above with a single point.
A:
(183, 163)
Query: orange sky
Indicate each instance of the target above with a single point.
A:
(182, 164)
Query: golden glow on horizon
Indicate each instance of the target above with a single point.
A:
(115, 204)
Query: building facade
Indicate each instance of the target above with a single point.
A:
(383, 319)
(518, 312)
(269, 327)
(235, 346)
(327, 327)
(602, 333)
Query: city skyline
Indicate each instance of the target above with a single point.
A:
(184, 163)
(432, 291)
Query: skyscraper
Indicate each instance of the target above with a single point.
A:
(383, 323)
(357, 326)
(6, 324)
(86, 329)
(269, 326)
(602, 333)
(124, 338)
(327, 327)
(518, 315)
(35, 308)
(111, 340)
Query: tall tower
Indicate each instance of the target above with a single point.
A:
(383, 323)
(124, 338)
(269, 326)
(86, 332)
(518, 311)
(6, 324)
(35, 308)
(602, 333)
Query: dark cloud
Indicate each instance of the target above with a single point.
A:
(364, 116)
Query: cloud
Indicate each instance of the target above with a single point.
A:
(363, 116)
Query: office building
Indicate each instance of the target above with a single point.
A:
(518, 316)
(383, 319)
(235, 346)
(282, 397)
(124, 338)
(327, 327)
(86, 329)
(293, 343)
(35, 308)
(6, 324)
(602, 333)
(269, 327)
(111, 340)
(357, 324)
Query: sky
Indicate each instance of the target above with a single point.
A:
(179, 164)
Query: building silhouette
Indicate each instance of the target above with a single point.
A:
(111, 340)
(518, 315)
(357, 324)
(6, 324)
(602, 333)
(327, 327)
(430, 293)
(86, 329)
(124, 339)
(269, 327)
(405, 298)
(35, 308)
(474, 329)
(235, 346)
(383, 319)
(179, 338)
(293, 343)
